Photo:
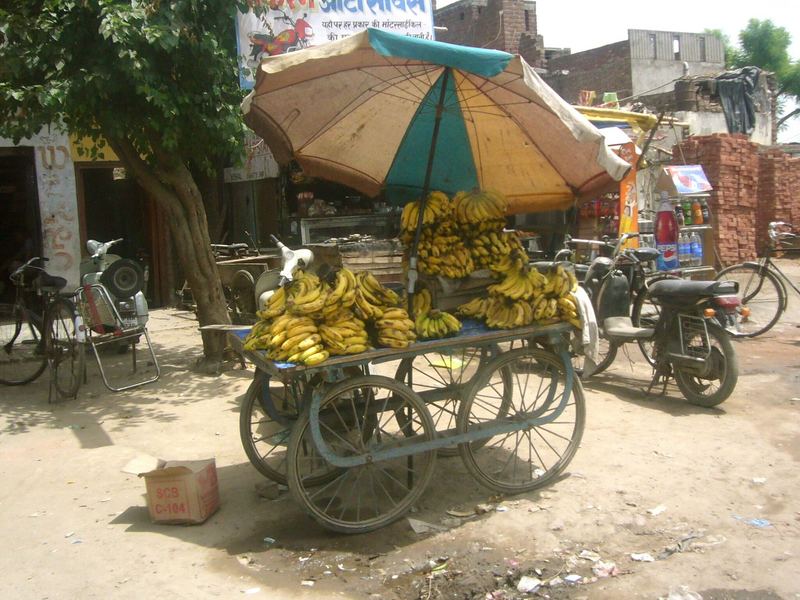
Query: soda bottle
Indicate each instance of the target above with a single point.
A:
(696, 250)
(683, 248)
(687, 212)
(697, 213)
(679, 215)
(666, 234)
(705, 211)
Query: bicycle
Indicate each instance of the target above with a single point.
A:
(762, 286)
(30, 340)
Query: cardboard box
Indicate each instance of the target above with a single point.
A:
(182, 491)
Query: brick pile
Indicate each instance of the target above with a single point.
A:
(731, 163)
(779, 191)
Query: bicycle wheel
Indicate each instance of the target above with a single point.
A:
(721, 373)
(357, 417)
(606, 352)
(645, 313)
(443, 379)
(760, 291)
(64, 352)
(527, 459)
(22, 357)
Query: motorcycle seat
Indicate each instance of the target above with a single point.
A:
(671, 288)
(52, 282)
(622, 327)
(646, 254)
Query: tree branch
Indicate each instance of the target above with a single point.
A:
(788, 116)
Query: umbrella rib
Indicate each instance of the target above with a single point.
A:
(466, 108)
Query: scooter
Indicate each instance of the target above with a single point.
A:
(270, 281)
(683, 330)
(123, 278)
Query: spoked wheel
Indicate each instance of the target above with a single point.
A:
(760, 291)
(22, 356)
(527, 459)
(606, 353)
(64, 352)
(359, 417)
(645, 313)
(718, 379)
(265, 430)
(442, 380)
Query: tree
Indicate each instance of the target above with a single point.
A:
(764, 45)
(157, 81)
(730, 50)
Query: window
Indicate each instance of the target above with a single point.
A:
(652, 40)
(527, 21)
(479, 9)
(461, 16)
(702, 42)
(676, 47)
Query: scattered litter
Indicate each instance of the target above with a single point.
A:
(245, 560)
(70, 534)
(76, 541)
(327, 572)
(341, 567)
(483, 508)
(144, 463)
(421, 527)
(450, 522)
(760, 523)
(36, 514)
(759, 480)
(269, 540)
(657, 510)
(642, 557)
(308, 582)
(461, 514)
(573, 578)
(303, 559)
(105, 500)
(589, 555)
(605, 569)
(254, 590)
(502, 508)
(555, 581)
(528, 585)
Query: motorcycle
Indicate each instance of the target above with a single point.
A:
(124, 280)
(296, 37)
(681, 331)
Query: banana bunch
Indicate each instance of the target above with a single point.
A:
(505, 313)
(514, 261)
(486, 247)
(545, 308)
(437, 208)
(560, 281)
(275, 307)
(446, 256)
(343, 294)
(422, 301)
(436, 324)
(344, 333)
(306, 294)
(395, 329)
(568, 310)
(259, 336)
(475, 207)
(519, 285)
(475, 308)
(295, 339)
(372, 299)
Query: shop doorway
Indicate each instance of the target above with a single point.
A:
(114, 206)
(20, 231)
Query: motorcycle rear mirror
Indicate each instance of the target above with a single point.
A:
(93, 246)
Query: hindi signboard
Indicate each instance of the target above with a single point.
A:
(271, 27)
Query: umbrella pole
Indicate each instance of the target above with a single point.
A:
(412, 260)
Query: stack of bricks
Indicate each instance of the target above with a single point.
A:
(731, 163)
(779, 191)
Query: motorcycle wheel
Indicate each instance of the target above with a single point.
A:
(722, 370)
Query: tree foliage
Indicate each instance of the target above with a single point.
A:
(730, 50)
(157, 80)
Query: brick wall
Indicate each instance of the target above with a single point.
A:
(753, 185)
(604, 69)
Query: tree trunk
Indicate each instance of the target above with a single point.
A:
(171, 185)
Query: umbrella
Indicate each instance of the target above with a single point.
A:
(382, 112)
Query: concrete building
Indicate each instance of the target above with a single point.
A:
(508, 25)
(648, 62)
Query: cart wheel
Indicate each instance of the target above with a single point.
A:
(523, 460)
(442, 380)
(265, 439)
(359, 416)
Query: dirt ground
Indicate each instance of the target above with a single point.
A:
(709, 494)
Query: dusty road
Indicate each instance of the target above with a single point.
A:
(710, 495)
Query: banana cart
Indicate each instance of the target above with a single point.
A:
(356, 438)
